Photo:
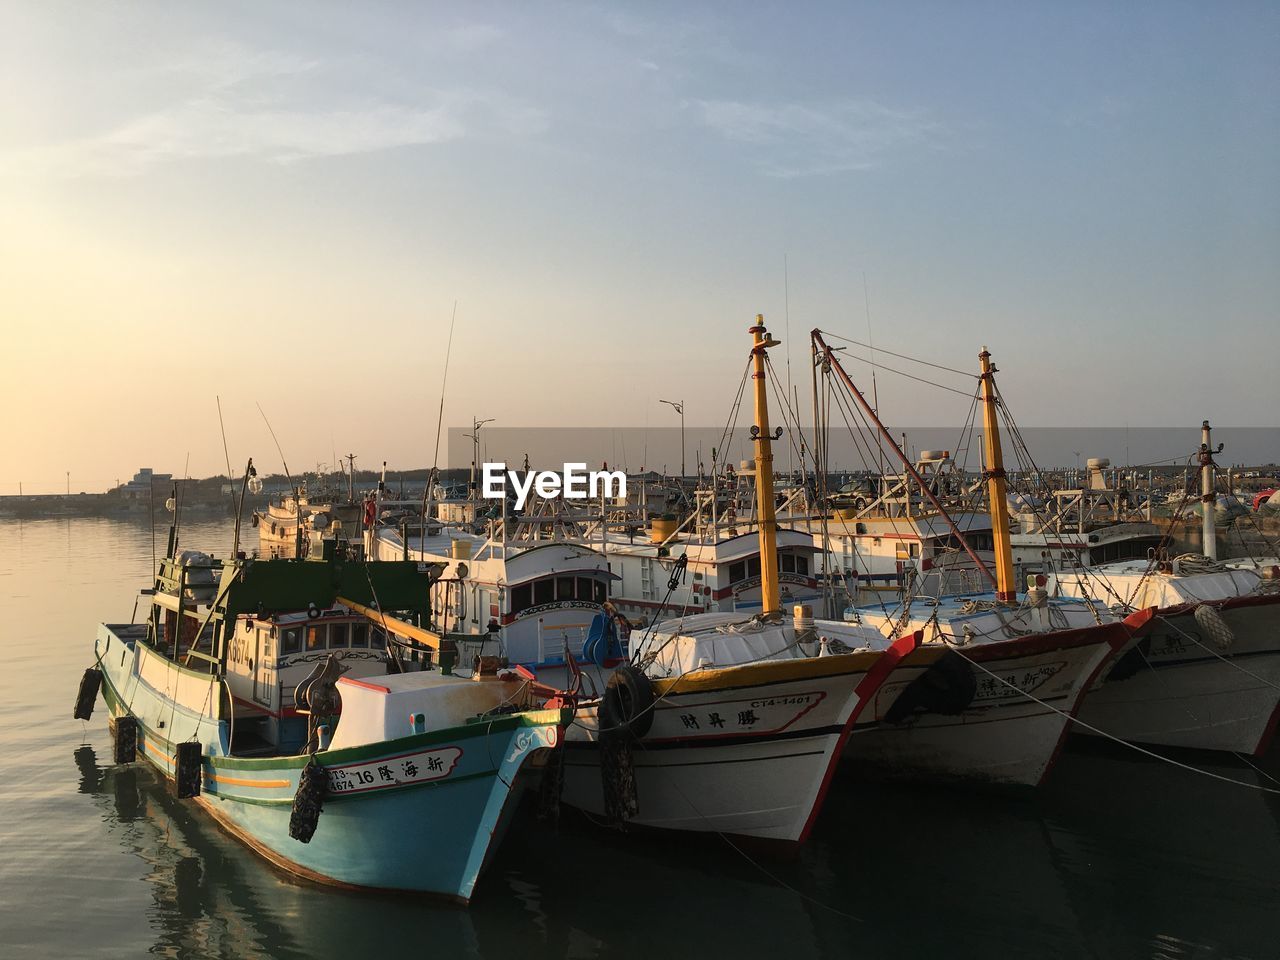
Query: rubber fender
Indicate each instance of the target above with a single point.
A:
(1211, 622)
(308, 802)
(947, 687)
(626, 709)
(90, 684)
(618, 780)
(124, 739)
(1133, 660)
(188, 770)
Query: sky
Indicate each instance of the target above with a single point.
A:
(278, 205)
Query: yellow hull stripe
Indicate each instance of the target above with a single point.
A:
(216, 778)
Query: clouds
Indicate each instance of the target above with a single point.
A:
(807, 139)
(230, 101)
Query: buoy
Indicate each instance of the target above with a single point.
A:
(1212, 623)
(188, 770)
(308, 802)
(124, 739)
(90, 684)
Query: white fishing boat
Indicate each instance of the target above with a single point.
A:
(723, 573)
(727, 722)
(531, 603)
(991, 691)
(295, 523)
(1083, 526)
(1208, 674)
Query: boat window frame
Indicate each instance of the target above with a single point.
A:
(360, 630)
(287, 648)
(323, 642)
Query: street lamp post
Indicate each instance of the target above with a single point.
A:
(678, 405)
(475, 452)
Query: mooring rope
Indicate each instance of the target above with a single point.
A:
(1112, 737)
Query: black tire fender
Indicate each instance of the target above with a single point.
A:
(626, 709)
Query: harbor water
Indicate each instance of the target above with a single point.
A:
(1118, 855)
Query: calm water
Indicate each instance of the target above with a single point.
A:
(1117, 857)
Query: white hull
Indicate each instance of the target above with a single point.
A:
(1002, 737)
(1185, 696)
(761, 774)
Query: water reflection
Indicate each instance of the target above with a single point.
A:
(1116, 857)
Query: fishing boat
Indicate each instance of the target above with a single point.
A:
(1082, 526)
(990, 693)
(1208, 674)
(878, 540)
(727, 722)
(295, 523)
(721, 572)
(529, 602)
(405, 778)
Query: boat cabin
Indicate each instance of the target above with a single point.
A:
(526, 601)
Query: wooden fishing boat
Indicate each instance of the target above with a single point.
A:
(404, 780)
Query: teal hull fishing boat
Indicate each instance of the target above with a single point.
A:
(377, 770)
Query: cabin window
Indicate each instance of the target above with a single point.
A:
(753, 566)
(292, 642)
(338, 634)
(598, 591)
(737, 571)
(316, 637)
(544, 591)
(359, 634)
(521, 597)
(788, 562)
(564, 588)
(802, 565)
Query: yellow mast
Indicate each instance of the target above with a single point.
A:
(1006, 589)
(769, 594)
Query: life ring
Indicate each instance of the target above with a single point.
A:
(626, 709)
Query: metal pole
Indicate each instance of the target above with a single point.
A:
(1207, 498)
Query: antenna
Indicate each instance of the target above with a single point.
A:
(444, 382)
(875, 394)
(786, 300)
(288, 476)
(225, 452)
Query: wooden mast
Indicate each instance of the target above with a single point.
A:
(769, 593)
(1006, 589)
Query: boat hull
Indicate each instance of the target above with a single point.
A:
(1186, 692)
(418, 814)
(747, 750)
(1003, 736)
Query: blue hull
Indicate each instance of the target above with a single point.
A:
(418, 813)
